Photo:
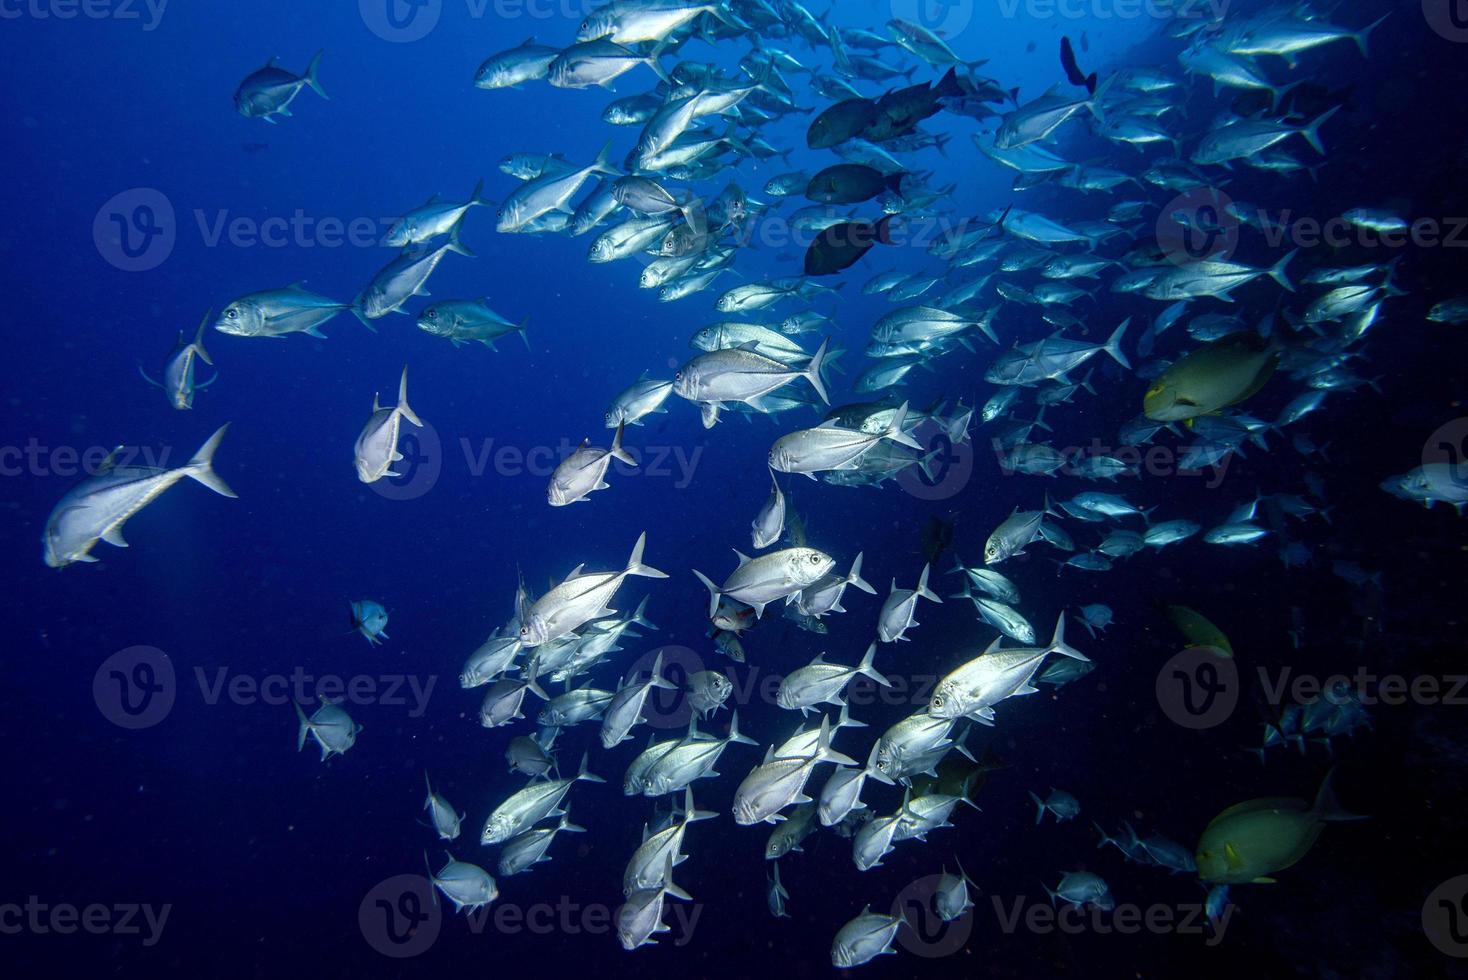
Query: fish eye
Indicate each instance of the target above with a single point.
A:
(678, 376)
(937, 700)
(815, 559)
(431, 313)
(232, 313)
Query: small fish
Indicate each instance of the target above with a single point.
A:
(270, 91)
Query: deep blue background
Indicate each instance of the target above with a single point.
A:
(265, 854)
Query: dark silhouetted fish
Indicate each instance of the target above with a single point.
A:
(1073, 72)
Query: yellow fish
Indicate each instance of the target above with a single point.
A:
(1211, 378)
(1199, 631)
(1252, 840)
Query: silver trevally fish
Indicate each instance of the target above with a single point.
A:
(779, 782)
(831, 447)
(432, 219)
(975, 687)
(819, 682)
(377, 445)
(757, 582)
(1017, 530)
(277, 312)
(178, 370)
(864, 938)
(270, 91)
(507, 69)
(897, 615)
(741, 374)
(1053, 358)
(550, 193)
(1037, 119)
(585, 470)
(467, 885)
(641, 916)
(461, 321)
(446, 819)
(825, 595)
(527, 807)
(598, 63)
(369, 618)
(403, 278)
(769, 523)
(578, 600)
(642, 398)
(95, 509)
(529, 849)
(624, 711)
(648, 863)
(636, 21)
(687, 759)
(331, 727)
(841, 796)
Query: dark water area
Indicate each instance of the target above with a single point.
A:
(269, 862)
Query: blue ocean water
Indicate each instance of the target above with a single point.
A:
(271, 863)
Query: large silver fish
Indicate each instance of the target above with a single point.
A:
(377, 446)
(96, 508)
